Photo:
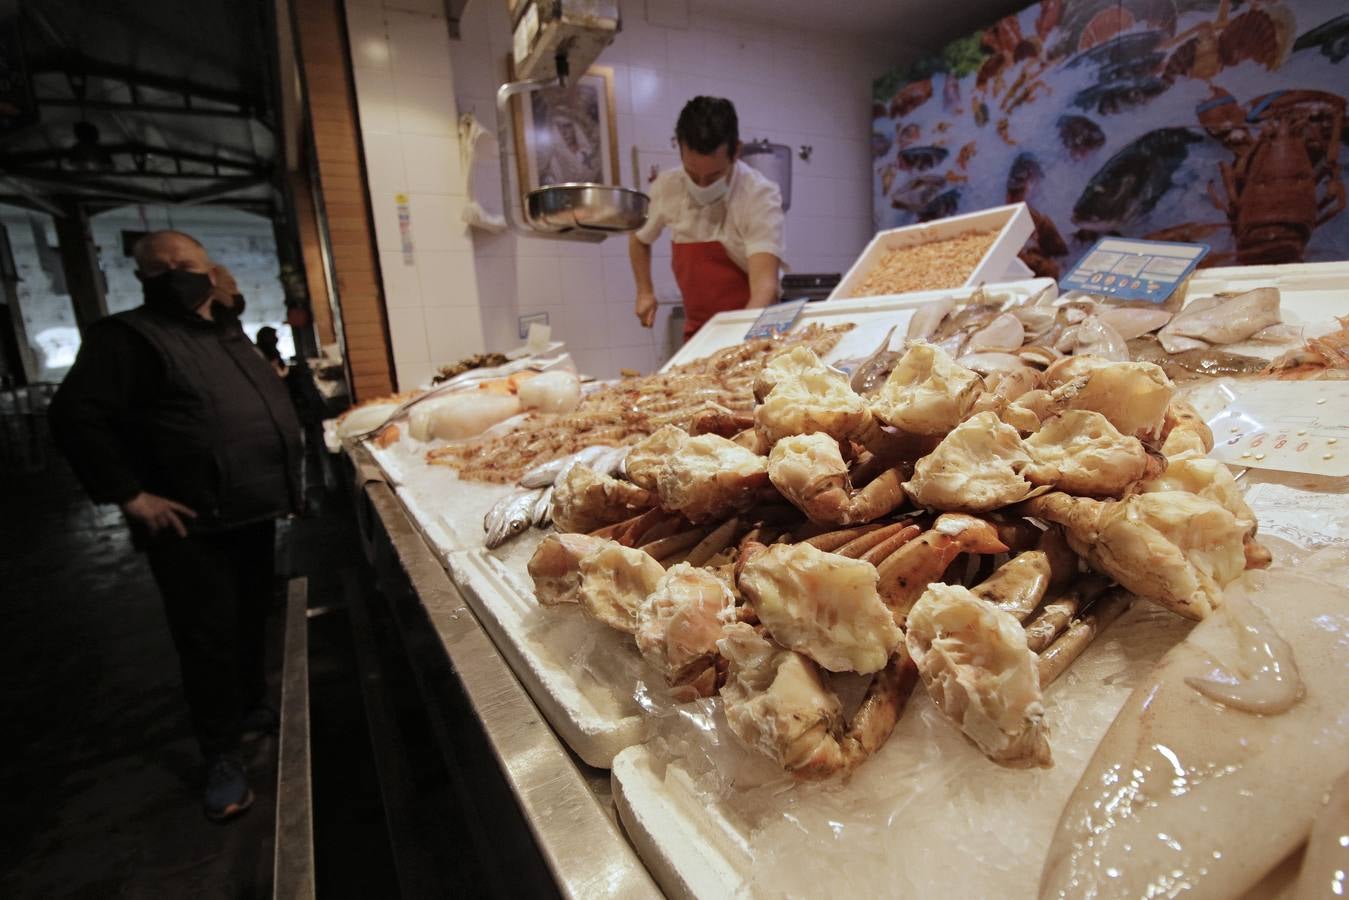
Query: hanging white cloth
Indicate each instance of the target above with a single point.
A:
(474, 215)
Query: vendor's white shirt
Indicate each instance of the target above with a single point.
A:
(746, 221)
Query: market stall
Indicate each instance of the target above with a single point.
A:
(707, 809)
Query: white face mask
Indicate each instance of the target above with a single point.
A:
(706, 196)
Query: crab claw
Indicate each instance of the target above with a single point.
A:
(907, 572)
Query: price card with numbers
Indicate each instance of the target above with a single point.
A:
(1290, 426)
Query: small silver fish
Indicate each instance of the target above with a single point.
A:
(545, 474)
(542, 514)
(509, 516)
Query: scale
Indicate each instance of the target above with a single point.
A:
(551, 40)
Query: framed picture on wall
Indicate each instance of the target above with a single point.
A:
(568, 134)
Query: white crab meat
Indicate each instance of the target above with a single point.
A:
(976, 468)
(556, 566)
(775, 700)
(1172, 547)
(927, 393)
(680, 622)
(710, 477)
(584, 500)
(807, 397)
(822, 605)
(1132, 395)
(1081, 453)
(615, 580)
(648, 456)
(977, 668)
(1196, 474)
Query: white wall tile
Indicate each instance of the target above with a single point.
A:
(412, 374)
(583, 326)
(448, 278)
(407, 330)
(619, 285)
(437, 221)
(432, 164)
(384, 206)
(594, 362)
(426, 105)
(624, 328)
(367, 35)
(384, 167)
(453, 333)
(641, 358)
(420, 44)
(538, 281)
(376, 101)
(402, 285)
(582, 280)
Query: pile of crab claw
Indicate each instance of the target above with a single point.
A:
(972, 534)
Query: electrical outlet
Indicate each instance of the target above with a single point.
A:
(526, 321)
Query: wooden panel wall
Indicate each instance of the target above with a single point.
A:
(326, 63)
(307, 225)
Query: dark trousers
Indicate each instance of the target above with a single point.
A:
(217, 589)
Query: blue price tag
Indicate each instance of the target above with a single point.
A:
(1134, 269)
(775, 320)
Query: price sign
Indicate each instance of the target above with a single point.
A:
(775, 320)
(1128, 269)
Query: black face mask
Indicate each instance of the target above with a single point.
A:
(177, 289)
(232, 310)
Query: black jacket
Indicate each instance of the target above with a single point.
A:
(172, 404)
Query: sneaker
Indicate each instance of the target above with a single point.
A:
(259, 723)
(227, 793)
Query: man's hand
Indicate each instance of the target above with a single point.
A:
(646, 308)
(158, 513)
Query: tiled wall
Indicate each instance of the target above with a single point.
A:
(405, 97)
(789, 85)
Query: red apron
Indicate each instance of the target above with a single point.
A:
(709, 281)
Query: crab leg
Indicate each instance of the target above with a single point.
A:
(858, 546)
(1069, 646)
(1019, 585)
(716, 541)
(891, 544)
(675, 543)
(635, 528)
(1060, 612)
(663, 529)
(830, 541)
(907, 572)
(871, 725)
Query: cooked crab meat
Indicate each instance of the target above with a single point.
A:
(1134, 396)
(822, 605)
(977, 668)
(976, 468)
(1026, 412)
(808, 469)
(1184, 429)
(679, 624)
(615, 580)
(584, 500)
(1196, 474)
(555, 566)
(648, 456)
(808, 397)
(710, 478)
(927, 393)
(777, 704)
(1171, 547)
(1080, 452)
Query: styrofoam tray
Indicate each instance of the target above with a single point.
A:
(1013, 222)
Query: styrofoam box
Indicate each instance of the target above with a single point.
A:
(1013, 223)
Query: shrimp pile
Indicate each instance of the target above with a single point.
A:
(626, 412)
(958, 530)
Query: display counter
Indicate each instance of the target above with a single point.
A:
(523, 669)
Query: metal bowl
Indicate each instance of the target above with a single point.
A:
(591, 207)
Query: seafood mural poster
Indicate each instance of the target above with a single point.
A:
(1212, 121)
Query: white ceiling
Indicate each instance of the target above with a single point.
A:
(921, 24)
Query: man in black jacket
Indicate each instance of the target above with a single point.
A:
(175, 417)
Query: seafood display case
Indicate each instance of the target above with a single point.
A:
(706, 821)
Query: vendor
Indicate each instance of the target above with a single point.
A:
(725, 222)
